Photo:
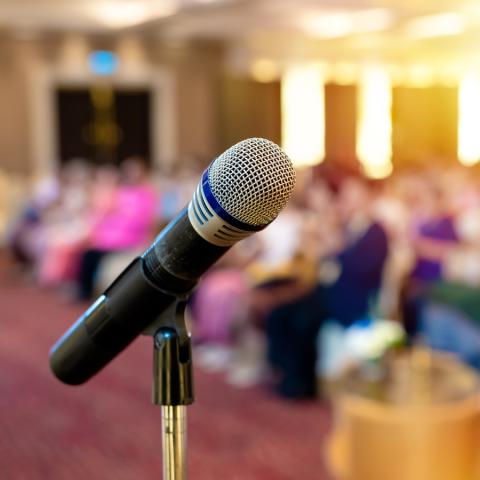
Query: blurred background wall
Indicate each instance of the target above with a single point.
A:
(215, 72)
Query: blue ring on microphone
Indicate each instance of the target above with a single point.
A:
(218, 209)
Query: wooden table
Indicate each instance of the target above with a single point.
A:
(420, 421)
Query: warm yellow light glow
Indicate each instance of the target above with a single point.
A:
(439, 25)
(343, 73)
(420, 76)
(449, 74)
(374, 133)
(303, 114)
(340, 23)
(469, 119)
(129, 13)
(264, 70)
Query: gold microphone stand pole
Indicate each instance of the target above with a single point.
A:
(173, 386)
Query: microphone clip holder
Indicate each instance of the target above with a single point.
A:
(172, 384)
(172, 357)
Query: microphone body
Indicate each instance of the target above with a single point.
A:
(215, 219)
(132, 302)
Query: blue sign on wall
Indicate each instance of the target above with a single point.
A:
(103, 62)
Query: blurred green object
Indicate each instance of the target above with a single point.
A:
(460, 296)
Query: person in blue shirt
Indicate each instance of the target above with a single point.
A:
(354, 279)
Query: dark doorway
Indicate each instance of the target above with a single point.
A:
(103, 125)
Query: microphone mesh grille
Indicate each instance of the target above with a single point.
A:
(252, 180)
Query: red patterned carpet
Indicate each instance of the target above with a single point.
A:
(107, 429)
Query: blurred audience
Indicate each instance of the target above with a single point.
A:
(349, 278)
(124, 223)
(432, 236)
(64, 226)
(282, 302)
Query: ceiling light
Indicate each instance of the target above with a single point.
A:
(341, 23)
(440, 25)
(127, 14)
(207, 2)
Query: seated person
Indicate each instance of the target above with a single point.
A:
(433, 237)
(125, 226)
(355, 273)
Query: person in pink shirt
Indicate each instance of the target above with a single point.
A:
(125, 224)
(64, 227)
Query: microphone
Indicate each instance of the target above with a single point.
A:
(240, 193)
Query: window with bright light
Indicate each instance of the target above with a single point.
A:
(374, 122)
(469, 119)
(303, 114)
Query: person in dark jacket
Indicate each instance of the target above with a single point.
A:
(355, 275)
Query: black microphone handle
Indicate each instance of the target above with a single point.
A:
(169, 268)
(181, 252)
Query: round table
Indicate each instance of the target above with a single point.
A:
(416, 417)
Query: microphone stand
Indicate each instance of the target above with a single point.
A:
(172, 385)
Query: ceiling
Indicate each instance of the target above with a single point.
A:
(340, 29)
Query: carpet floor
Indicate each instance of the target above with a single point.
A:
(108, 429)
